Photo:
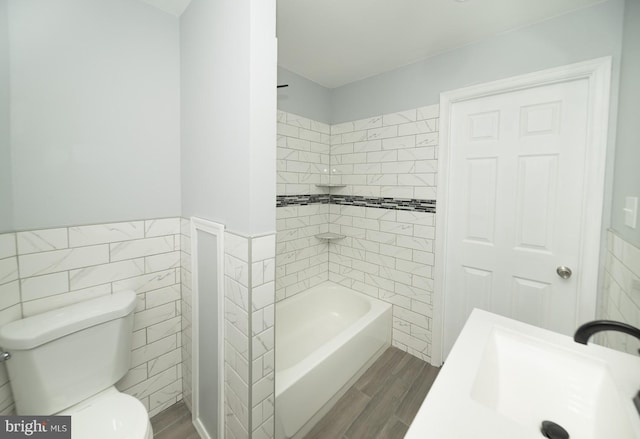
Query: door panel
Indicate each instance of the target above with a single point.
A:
(515, 203)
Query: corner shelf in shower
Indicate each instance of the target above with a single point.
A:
(329, 236)
(330, 186)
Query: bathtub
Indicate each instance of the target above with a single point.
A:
(326, 337)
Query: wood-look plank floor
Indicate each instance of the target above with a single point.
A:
(174, 423)
(380, 405)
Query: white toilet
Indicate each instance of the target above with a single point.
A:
(66, 362)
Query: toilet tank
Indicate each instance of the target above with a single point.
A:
(64, 356)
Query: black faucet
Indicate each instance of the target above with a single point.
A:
(585, 331)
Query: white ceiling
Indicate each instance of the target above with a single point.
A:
(335, 42)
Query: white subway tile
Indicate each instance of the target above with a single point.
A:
(428, 112)
(164, 362)
(341, 128)
(161, 227)
(156, 382)
(165, 397)
(404, 142)
(367, 146)
(425, 193)
(288, 130)
(368, 123)
(43, 286)
(135, 375)
(101, 274)
(7, 245)
(160, 262)
(141, 247)
(382, 156)
(62, 260)
(356, 136)
(419, 127)
(427, 140)
(416, 180)
(398, 167)
(312, 136)
(152, 316)
(9, 294)
(320, 127)
(298, 121)
(146, 282)
(8, 270)
(400, 117)
(105, 233)
(236, 246)
(418, 153)
(383, 133)
(396, 192)
(42, 240)
(162, 296)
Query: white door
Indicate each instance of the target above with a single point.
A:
(516, 194)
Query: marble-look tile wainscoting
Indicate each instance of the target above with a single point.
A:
(249, 355)
(41, 270)
(249, 335)
(621, 292)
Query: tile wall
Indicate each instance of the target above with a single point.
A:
(621, 292)
(45, 269)
(385, 161)
(249, 336)
(249, 282)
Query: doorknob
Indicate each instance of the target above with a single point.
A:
(564, 272)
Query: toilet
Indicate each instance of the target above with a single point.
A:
(67, 361)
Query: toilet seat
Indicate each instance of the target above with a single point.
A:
(109, 415)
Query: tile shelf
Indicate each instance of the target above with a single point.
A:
(329, 236)
(331, 185)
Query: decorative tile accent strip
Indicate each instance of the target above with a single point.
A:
(357, 200)
(302, 200)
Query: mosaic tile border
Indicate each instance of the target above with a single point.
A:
(358, 200)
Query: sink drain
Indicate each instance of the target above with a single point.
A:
(552, 430)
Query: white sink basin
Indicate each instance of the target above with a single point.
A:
(503, 378)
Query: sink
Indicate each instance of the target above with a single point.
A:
(503, 378)
(529, 380)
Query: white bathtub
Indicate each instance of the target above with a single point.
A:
(326, 337)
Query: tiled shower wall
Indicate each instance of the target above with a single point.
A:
(387, 252)
(42, 270)
(621, 295)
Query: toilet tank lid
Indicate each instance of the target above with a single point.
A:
(42, 328)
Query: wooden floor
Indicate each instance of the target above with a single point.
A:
(380, 405)
(174, 423)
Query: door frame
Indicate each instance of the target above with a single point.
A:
(598, 74)
(217, 230)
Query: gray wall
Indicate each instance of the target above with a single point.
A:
(228, 126)
(588, 33)
(627, 162)
(95, 112)
(6, 198)
(303, 97)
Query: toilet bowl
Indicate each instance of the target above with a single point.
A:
(109, 415)
(67, 361)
